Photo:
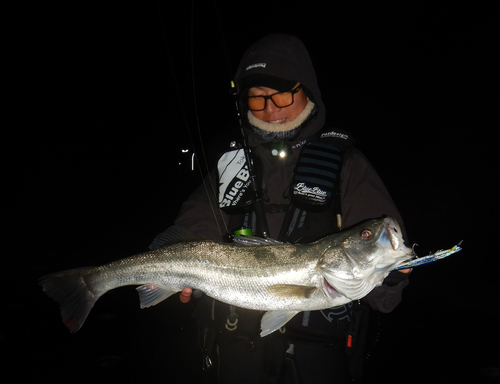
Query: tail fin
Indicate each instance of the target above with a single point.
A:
(69, 289)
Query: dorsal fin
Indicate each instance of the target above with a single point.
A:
(252, 241)
(173, 235)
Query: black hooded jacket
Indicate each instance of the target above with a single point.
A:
(363, 194)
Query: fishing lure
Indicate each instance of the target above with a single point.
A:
(430, 258)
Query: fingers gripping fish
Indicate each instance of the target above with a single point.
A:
(260, 274)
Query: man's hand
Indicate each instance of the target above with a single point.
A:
(186, 293)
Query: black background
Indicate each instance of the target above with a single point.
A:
(100, 98)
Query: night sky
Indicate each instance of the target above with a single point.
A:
(102, 98)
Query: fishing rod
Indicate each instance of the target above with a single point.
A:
(261, 227)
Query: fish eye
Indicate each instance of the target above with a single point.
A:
(366, 234)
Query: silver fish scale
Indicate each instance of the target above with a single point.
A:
(240, 276)
(234, 274)
(262, 267)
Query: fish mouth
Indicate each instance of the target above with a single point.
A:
(394, 236)
(393, 233)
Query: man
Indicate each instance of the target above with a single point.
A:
(281, 108)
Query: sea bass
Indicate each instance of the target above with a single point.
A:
(260, 274)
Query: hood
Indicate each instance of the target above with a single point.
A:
(283, 56)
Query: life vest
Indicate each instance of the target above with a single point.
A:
(314, 194)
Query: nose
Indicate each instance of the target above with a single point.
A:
(271, 107)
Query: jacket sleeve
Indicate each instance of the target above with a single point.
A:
(364, 196)
(201, 215)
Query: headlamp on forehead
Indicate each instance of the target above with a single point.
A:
(280, 99)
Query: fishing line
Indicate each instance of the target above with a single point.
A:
(200, 138)
(230, 71)
(195, 102)
(176, 85)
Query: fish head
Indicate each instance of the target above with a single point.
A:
(358, 259)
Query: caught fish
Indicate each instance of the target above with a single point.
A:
(260, 274)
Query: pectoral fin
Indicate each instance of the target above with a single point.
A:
(150, 295)
(273, 320)
(353, 289)
(289, 290)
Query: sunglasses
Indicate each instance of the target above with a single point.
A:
(280, 99)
